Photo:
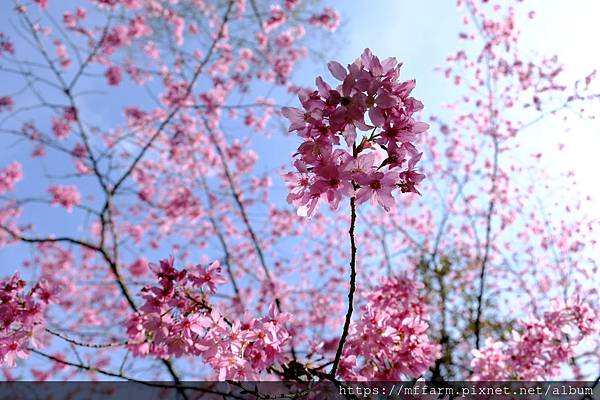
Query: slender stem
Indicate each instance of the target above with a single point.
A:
(491, 90)
(90, 345)
(486, 254)
(338, 354)
(488, 230)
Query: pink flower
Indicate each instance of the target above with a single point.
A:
(138, 27)
(66, 196)
(390, 338)
(194, 324)
(291, 4)
(137, 333)
(113, 75)
(21, 318)
(538, 347)
(177, 319)
(208, 276)
(296, 117)
(6, 46)
(409, 178)
(61, 127)
(378, 187)
(298, 183)
(328, 19)
(47, 292)
(70, 114)
(62, 54)
(139, 267)
(13, 351)
(6, 103)
(333, 182)
(328, 170)
(276, 19)
(9, 176)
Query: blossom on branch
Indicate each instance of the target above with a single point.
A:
(177, 319)
(6, 103)
(390, 340)
(66, 196)
(22, 316)
(369, 98)
(538, 347)
(9, 176)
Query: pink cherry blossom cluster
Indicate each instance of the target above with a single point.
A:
(61, 125)
(42, 3)
(245, 349)
(6, 46)
(22, 316)
(328, 19)
(9, 176)
(66, 196)
(390, 340)
(176, 319)
(372, 167)
(113, 75)
(538, 347)
(62, 54)
(6, 103)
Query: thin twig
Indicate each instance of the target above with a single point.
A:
(90, 345)
(338, 353)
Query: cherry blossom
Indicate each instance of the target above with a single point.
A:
(66, 196)
(6, 46)
(329, 117)
(6, 103)
(22, 314)
(157, 126)
(113, 75)
(538, 346)
(177, 319)
(391, 335)
(9, 176)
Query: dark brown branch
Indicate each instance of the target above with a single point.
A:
(338, 353)
(490, 212)
(238, 201)
(70, 240)
(84, 367)
(89, 345)
(596, 382)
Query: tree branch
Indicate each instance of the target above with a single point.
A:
(338, 353)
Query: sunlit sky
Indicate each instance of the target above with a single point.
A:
(422, 33)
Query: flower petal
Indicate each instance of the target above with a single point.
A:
(337, 70)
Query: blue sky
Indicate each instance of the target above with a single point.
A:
(422, 33)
